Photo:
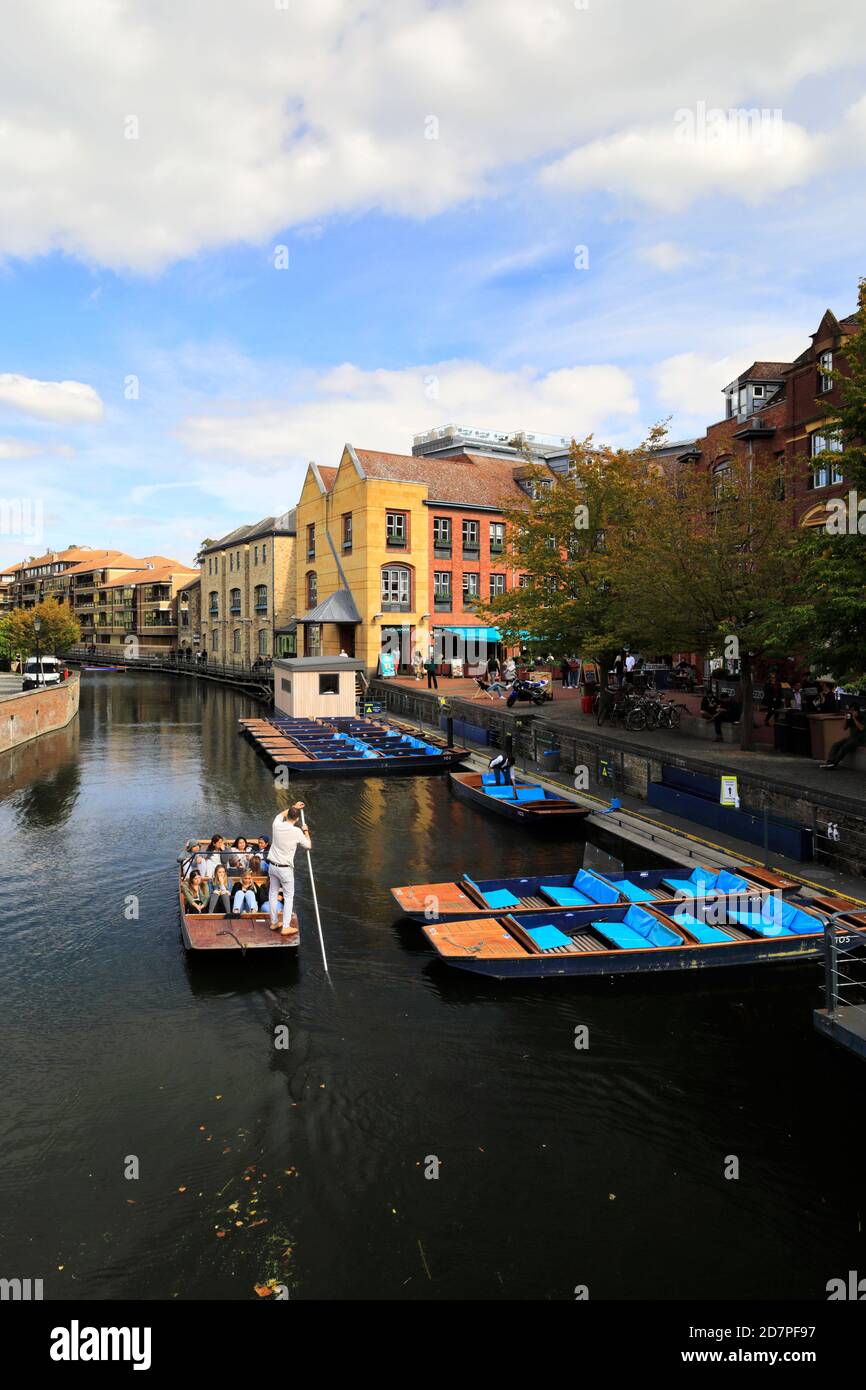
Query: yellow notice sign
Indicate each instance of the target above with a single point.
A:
(730, 796)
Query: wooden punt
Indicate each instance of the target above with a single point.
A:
(466, 898)
(584, 942)
(309, 747)
(545, 811)
(221, 931)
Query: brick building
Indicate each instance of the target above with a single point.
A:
(248, 591)
(777, 413)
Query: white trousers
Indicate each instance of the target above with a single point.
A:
(281, 879)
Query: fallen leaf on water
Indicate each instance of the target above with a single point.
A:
(220, 1235)
(239, 1223)
(217, 1097)
(181, 1189)
(263, 1291)
(234, 1206)
(262, 1221)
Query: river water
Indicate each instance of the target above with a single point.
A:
(558, 1167)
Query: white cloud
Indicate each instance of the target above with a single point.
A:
(661, 169)
(666, 256)
(384, 409)
(253, 118)
(69, 402)
(17, 449)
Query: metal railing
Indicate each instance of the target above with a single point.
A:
(844, 967)
(240, 670)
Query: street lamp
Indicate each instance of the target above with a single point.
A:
(37, 628)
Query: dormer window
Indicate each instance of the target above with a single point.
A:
(825, 366)
(758, 393)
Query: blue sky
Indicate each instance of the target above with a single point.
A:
(428, 280)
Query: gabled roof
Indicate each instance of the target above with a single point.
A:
(764, 371)
(282, 525)
(72, 553)
(338, 607)
(105, 560)
(158, 574)
(482, 480)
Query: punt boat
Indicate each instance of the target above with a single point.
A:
(467, 898)
(221, 931)
(345, 745)
(630, 939)
(525, 802)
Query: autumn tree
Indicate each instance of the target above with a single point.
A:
(60, 630)
(561, 538)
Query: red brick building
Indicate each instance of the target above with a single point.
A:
(777, 413)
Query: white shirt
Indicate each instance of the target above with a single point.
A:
(629, 663)
(285, 838)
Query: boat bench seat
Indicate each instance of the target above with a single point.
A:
(699, 883)
(618, 934)
(565, 897)
(549, 938)
(493, 897)
(706, 935)
(516, 793)
(634, 892)
(598, 890)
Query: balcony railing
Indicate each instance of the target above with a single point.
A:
(396, 606)
(444, 604)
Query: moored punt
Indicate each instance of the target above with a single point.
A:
(628, 939)
(347, 745)
(223, 931)
(468, 898)
(526, 802)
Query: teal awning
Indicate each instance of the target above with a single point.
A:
(477, 634)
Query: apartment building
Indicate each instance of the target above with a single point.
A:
(248, 591)
(396, 550)
(141, 602)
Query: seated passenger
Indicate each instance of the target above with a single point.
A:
(238, 854)
(221, 893)
(246, 899)
(264, 845)
(213, 856)
(194, 893)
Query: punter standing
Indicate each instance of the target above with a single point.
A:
(286, 835)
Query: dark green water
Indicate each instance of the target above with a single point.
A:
(559, 1167)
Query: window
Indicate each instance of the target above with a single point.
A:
(722, 478)
(215, 641)
(329, 685)
(470, 588)
(286, 684)
(442, 591)
(471, 537)
(347, 531)
(523, 581)
(825, 366)
(396, 529)
(311, 542)
(231, 562)
(236, 640)
(823, 471)
(312, 589)
(497, 585)
(235, 601)
(214, 603)
(255, 555)
(263, 642)
(757, 393)
(442, 537)
(396, 589)
(314, 639)
(261, 598)
(264, 554)
(497, 538)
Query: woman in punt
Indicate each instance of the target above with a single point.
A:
(195, 898)
(221, 893)
(246, 898)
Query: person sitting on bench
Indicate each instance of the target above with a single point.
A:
(246, 898)
(221, 893)
(855, 737)
(194, 893)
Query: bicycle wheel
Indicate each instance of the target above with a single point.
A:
(635, 719)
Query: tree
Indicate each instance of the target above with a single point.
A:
(561, 538)
(202, 548)
(60, 630)
(709, 569)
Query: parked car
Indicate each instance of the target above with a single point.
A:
(41, 671)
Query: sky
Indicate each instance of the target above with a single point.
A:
(235, 234)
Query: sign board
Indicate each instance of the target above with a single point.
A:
(730, 796)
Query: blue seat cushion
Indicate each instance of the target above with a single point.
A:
(595, 888)
(764, 924)
(499, 897)
(732, 883)
(798, 921)
(548, 936)
(634, 892)
(620, 935)
(706, 935)
(565, 897)
(643, 922)
(690, 887)
(530, 794)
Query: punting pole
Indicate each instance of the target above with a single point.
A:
(315, 901)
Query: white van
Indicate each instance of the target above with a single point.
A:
(42, 670)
